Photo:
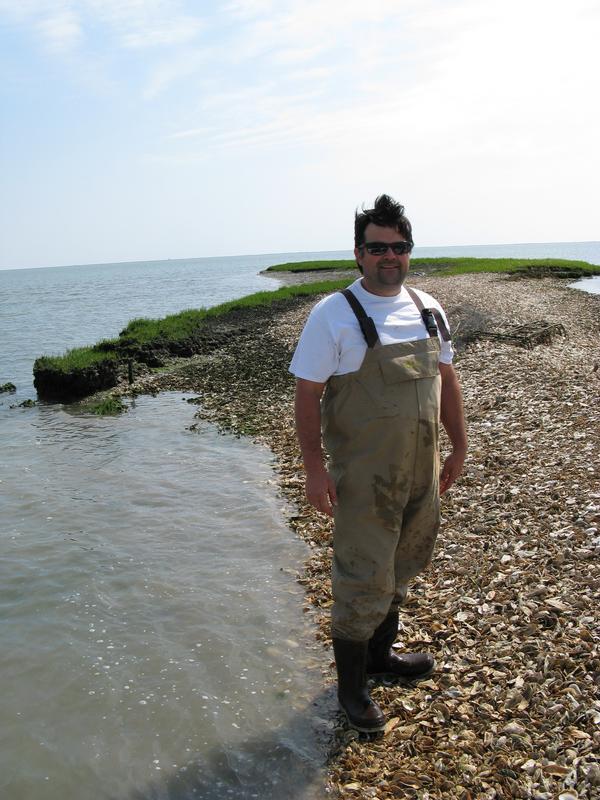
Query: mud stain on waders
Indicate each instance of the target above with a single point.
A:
(390, 496)
(426, 430)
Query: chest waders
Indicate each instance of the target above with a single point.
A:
(381, 429)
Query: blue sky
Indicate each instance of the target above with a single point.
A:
(149, 129)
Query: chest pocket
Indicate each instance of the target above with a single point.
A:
(401, 380)
(409, 367)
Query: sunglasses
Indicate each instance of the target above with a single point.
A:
(381, 248)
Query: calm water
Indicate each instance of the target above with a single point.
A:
(51, 310)
(152, 638)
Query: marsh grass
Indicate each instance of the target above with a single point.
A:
(172, 329)
(451, 266)
(184, 326)
(181, 326)
(310, 266)
(109, 406)
(461, 266)
(76, 359)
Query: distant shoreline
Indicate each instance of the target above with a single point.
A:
(528, 250)
(456, 265)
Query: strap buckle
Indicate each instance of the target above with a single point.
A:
(429, 321)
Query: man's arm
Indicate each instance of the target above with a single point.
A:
(320, 488)
(453, 420)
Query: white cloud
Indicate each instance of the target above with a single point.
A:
(464, 80)
(146, 23)
(56, 25)
(168, 71)
(455, 91)
(60, 31)
(64, 24)
(246, 9)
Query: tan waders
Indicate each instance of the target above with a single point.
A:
(380, 426)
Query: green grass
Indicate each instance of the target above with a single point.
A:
(110, 406)
(461, 266)
(184, 325)
(174, 328)
(76, 359)
(181, 326)
(450, 266)
(309, 266)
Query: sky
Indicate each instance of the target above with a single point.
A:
(153, 129)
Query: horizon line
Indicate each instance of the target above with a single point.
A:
(281, 253)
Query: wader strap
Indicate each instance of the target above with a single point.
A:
(430, 317)
(367, 325)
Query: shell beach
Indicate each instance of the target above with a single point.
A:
(509, 605)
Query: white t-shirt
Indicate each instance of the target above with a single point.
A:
(332, 342)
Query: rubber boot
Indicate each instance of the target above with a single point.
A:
(362, 712)
(382, 660)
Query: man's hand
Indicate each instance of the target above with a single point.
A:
(451, 470)
(320, 491)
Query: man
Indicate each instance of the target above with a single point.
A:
(375, 377)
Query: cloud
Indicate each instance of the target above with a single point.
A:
(146, 23)
(453, 103)
(258, 73)
(63, 25)
(56, 25)
(60, 31)
(485, 81)
(247, 9)
(187, 62)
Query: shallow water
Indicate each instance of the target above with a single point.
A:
(153, 640)
(591, 285)
(48, 311)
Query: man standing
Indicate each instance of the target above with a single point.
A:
(374, 377)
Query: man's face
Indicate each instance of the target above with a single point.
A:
(382, 274)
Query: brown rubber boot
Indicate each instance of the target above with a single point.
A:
(382, 660)
(362, 712)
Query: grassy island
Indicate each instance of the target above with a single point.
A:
(562, 268)
(150, 343)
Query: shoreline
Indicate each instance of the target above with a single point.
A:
(507, 607)
(152, 343)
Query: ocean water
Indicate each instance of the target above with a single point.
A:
(152, 633)
(47, 311)
(153, 641)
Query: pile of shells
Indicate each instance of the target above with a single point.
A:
(509, 606)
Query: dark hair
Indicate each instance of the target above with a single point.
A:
(387, 213)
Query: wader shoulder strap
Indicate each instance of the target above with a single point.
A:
(430, 316)
(367, 325)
